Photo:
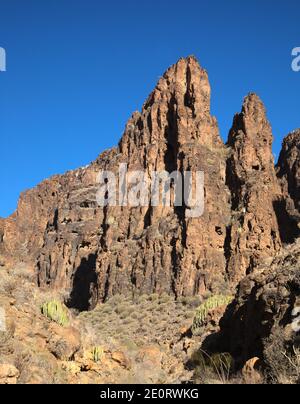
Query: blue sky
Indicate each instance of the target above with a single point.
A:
(77, 69)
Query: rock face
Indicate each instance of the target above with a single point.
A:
(161, 248)
(94, 253)
(254, 233)
(8, 374)
(263, 320)
(288, 172)
(265, 311)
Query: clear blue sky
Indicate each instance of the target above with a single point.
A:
(77, 69)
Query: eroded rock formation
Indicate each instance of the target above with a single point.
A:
(263, 320)
(93, 253)
(254, 233)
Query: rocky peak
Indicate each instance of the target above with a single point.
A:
(252, 180)
(189, 84)
(175, 132)
(177, 112)
(251, 139)
(253, 108)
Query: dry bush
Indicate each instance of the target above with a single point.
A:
(7, 338)
(7, 285)
(282, 360)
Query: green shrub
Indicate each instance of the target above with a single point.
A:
(210, 304)
(56, 312)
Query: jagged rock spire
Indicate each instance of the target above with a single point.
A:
(251, 138)
(177, 112)
(251, 177)
(175, 132)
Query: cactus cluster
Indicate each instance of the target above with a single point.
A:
(56, 311)
(97, 353)
(210, 304)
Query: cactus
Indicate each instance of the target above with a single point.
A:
(97, 353)
(210, 304)
(56, 312)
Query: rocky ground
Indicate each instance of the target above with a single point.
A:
(154, 338)
(141, 341)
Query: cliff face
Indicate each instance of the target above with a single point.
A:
(251, 177)
(94, 253)
(263, 320)
(288, 172)
(162, 249)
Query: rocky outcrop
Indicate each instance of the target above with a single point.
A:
(263, 321)
(8, 374)
(254, 232)
(288, 172)
(162, 248)
(93, 253)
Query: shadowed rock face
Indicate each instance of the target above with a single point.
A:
(263, 309)
(288, 172)
(63, 234)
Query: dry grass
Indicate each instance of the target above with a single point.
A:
(282, 360)
(212, 369)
